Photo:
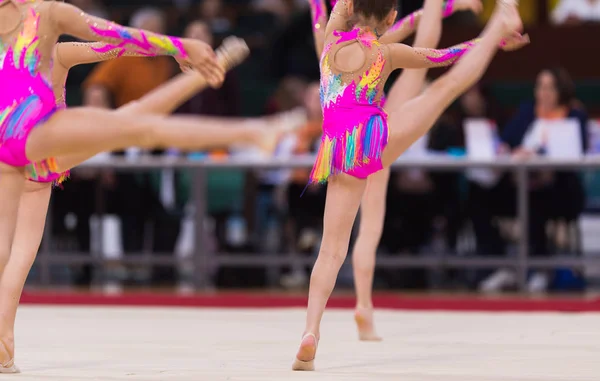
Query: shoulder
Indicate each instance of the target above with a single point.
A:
(578, 113)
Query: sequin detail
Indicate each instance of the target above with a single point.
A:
(450, 55)
(145, 44)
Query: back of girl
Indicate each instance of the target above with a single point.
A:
(354, 69)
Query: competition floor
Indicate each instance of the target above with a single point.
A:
(173, 343)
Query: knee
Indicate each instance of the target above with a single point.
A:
(336, 257)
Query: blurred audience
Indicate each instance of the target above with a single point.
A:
(263, 210)
(305, 211)
(553, 195)
(145, 196)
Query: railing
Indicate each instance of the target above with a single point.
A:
(203, 259)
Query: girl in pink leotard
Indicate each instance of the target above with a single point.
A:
(356, 141)
(33, 128)
(35, 199)
(408, 85)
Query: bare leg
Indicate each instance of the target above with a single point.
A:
(90, 131)
(343, 199)
(11, 184)
(31, 219)
(417, 116)
(372, 216)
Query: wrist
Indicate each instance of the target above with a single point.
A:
(181, 46)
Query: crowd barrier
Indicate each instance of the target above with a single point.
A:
(203, 260)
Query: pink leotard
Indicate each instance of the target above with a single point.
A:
(355, 129)
(29, 99)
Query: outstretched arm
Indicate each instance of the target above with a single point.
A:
(71, 20)
(318, 11)
(403, 56)
(406, 26)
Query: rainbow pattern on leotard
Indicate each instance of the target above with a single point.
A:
(28, 98)
(354, 125)
(450, 55)
(147, 44)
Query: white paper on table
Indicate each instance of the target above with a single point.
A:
(564, 140)
(479, 139)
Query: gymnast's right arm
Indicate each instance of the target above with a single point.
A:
(71, 20)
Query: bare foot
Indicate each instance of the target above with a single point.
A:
(364, 323)
(305, 358)
(508, 14)
(7, 362)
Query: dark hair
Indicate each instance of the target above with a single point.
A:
(564, 85)
(377, 9)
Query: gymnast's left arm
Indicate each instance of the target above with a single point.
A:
(71, 20)
(404, 56)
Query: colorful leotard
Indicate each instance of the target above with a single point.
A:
(28, 99)
(355, 129)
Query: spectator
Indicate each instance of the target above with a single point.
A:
(553, 195)
(141, 196)
(212, 13)
(573, 12)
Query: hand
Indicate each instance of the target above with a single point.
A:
(475, 6)
(503, 149)
(514, 42)
(202, 58)
(522, 154)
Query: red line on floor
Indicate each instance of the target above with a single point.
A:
(253, 300)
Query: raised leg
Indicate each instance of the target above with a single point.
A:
(343, 199)
(31, 218)
(88, 131)
(417, 116)
(372, 216)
